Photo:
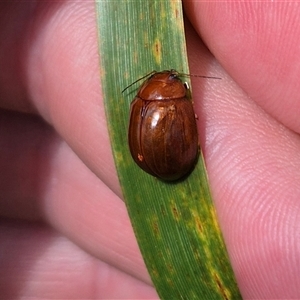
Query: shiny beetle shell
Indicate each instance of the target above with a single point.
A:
(162, 136)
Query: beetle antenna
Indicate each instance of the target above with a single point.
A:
(152, 72)
(194, 75)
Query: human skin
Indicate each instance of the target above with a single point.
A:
(64, 230)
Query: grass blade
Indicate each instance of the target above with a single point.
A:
(175, 223)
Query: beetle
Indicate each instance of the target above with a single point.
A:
(162, 133)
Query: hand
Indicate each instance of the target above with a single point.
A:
(56, 163)
(65, 232)
(250, 128)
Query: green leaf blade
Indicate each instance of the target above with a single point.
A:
(175, 223)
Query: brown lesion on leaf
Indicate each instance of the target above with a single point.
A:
(196, 254)
(157, 48)
(199, 225)
(157, 51)
(175, 212)
(170, 268)
(155, 228)
(176, 12)
(154, 272)
(223, 291)
(170, 282)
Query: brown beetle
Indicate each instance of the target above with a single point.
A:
(162, 135)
